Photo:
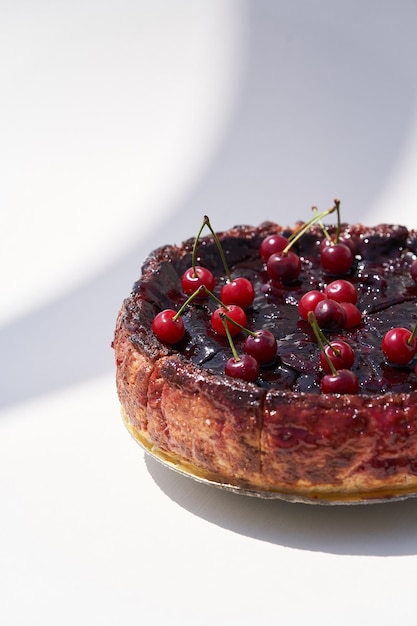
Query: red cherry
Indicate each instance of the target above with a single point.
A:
(342, 291)
(167, 329)
(413, 271)
(340, 354)
(284, 267)
(336, 258)
(246, 368)
(330, 315)
(353, 314)
(262, 346)
(271, 245)
(349, 242)
(238, 291)
(193, 278)
(308, 302)
(344, 381)
(397, 347)
(235, 312)
(346, 239)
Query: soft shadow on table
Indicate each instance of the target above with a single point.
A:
(388, 529)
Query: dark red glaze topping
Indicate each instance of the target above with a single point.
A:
(387, 296)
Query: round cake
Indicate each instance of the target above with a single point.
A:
(283, 433)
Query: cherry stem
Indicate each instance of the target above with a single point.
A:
(215, 298)
(322, 340)
(194, 253)
(327, 342)
(305, 228)
(337, 205)
(295, 232)
(413, 334)
(322, 226)
(195, 294)
(201, 289)
(243, 328)
(224, 319)
(219, 247)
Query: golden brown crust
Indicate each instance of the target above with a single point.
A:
(325, 447)
(193, 417)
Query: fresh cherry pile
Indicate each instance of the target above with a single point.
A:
(260, 347)
(237, 291)
(282, 263)
(336, 359)
(227, 320)
(334, 308)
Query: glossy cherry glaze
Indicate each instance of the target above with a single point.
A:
(387, 296)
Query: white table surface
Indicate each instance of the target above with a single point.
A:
(122, 124)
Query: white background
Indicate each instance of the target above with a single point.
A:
(121, 125)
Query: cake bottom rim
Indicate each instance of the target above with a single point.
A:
(313, 496)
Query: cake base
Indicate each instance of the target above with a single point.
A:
(178, 465)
